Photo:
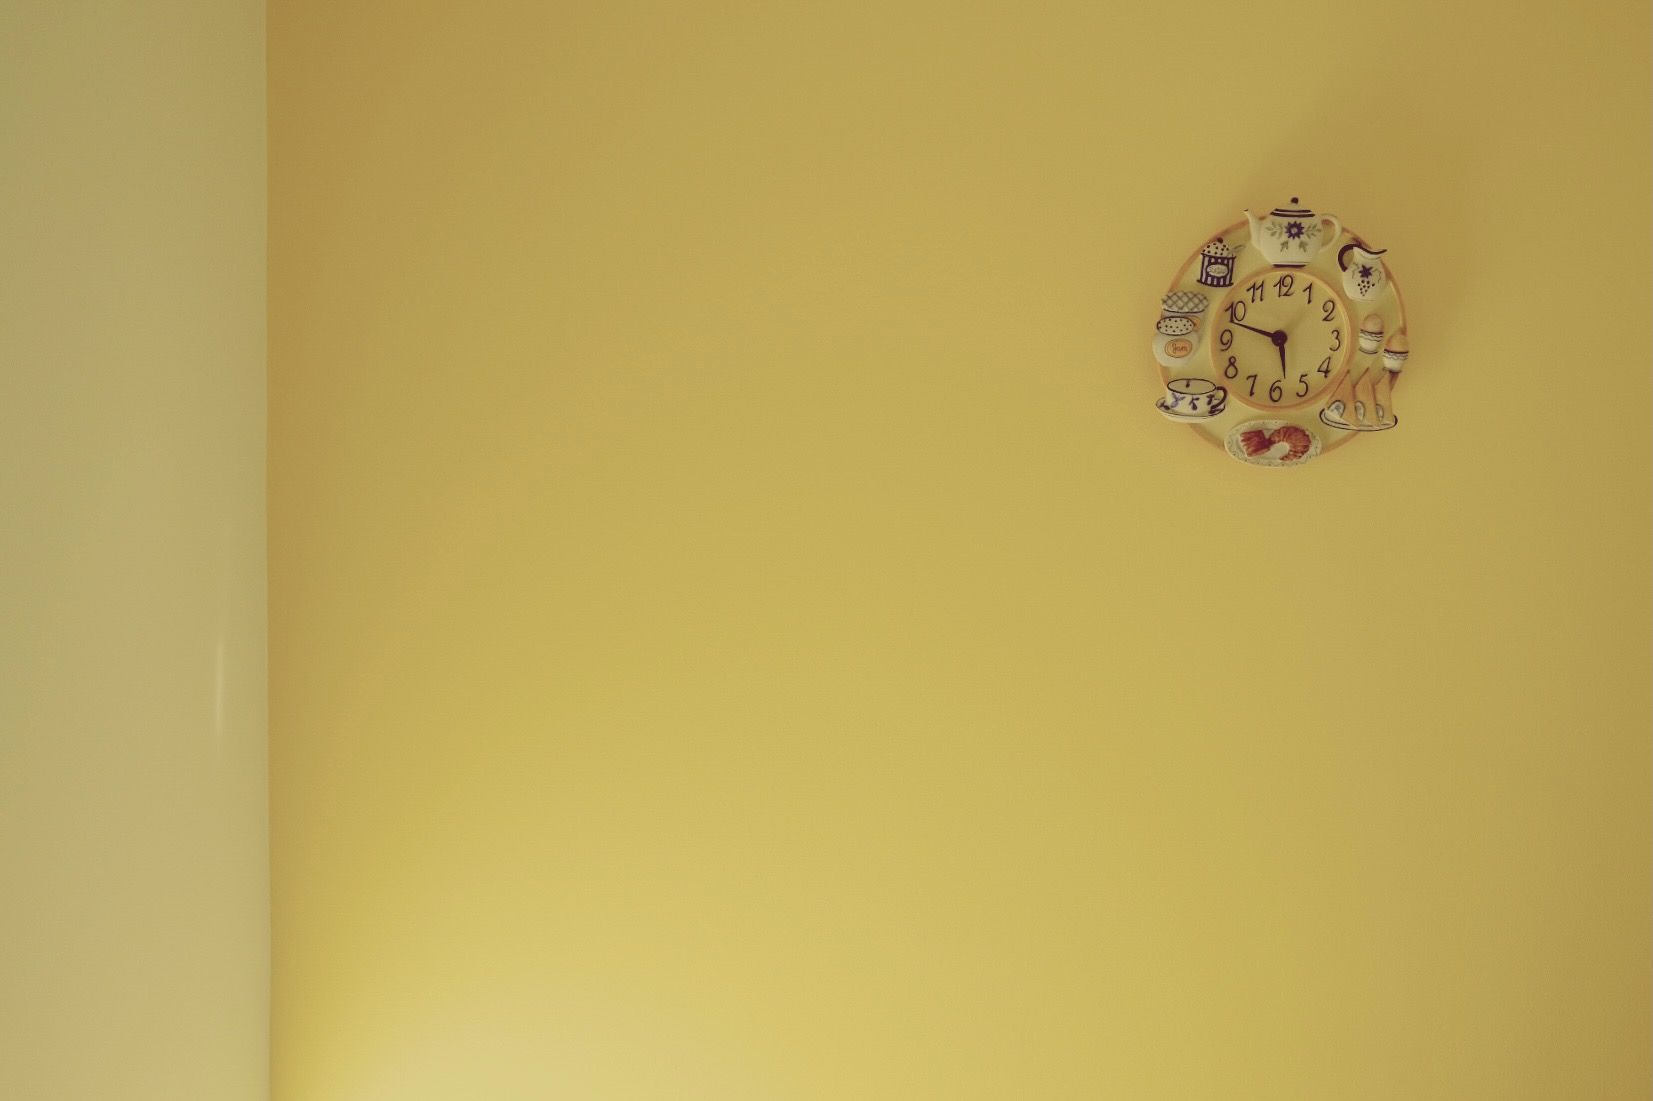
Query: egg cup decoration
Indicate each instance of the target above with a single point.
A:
(1308, 337)
(1371, 335)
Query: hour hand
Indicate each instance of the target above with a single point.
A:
(1259, 332)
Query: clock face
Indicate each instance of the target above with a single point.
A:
(1279, 339)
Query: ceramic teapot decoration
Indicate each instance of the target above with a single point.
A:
(1297, 350)
(1363, 274)
(1290, 237)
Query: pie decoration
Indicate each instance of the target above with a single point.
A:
(1185, 303)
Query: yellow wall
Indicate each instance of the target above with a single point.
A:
(134, 919)
(740, 631)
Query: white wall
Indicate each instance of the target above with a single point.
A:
(133, 841)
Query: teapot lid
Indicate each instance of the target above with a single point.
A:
(1218, 249)
(1294, 211)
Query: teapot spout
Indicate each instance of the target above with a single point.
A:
(1252, 220)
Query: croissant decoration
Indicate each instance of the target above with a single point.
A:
(1297, 441)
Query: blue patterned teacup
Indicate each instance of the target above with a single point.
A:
(1192, 397)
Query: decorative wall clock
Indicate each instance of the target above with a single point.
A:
(1281, 338)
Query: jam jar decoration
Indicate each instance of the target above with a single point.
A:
(1175, 339)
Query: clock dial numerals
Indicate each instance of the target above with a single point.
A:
(1283, 287)
(1276, 326)
(1273, 391)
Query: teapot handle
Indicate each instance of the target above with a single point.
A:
(1337, 228)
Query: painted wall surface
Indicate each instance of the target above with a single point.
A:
(740, 630)
(134, 928)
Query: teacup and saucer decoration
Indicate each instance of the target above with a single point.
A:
(1192, 399)
(1303, 348)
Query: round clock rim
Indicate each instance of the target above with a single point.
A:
(1343, 355)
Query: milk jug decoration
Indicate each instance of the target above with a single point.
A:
(1298, 348)
(1363, 275)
